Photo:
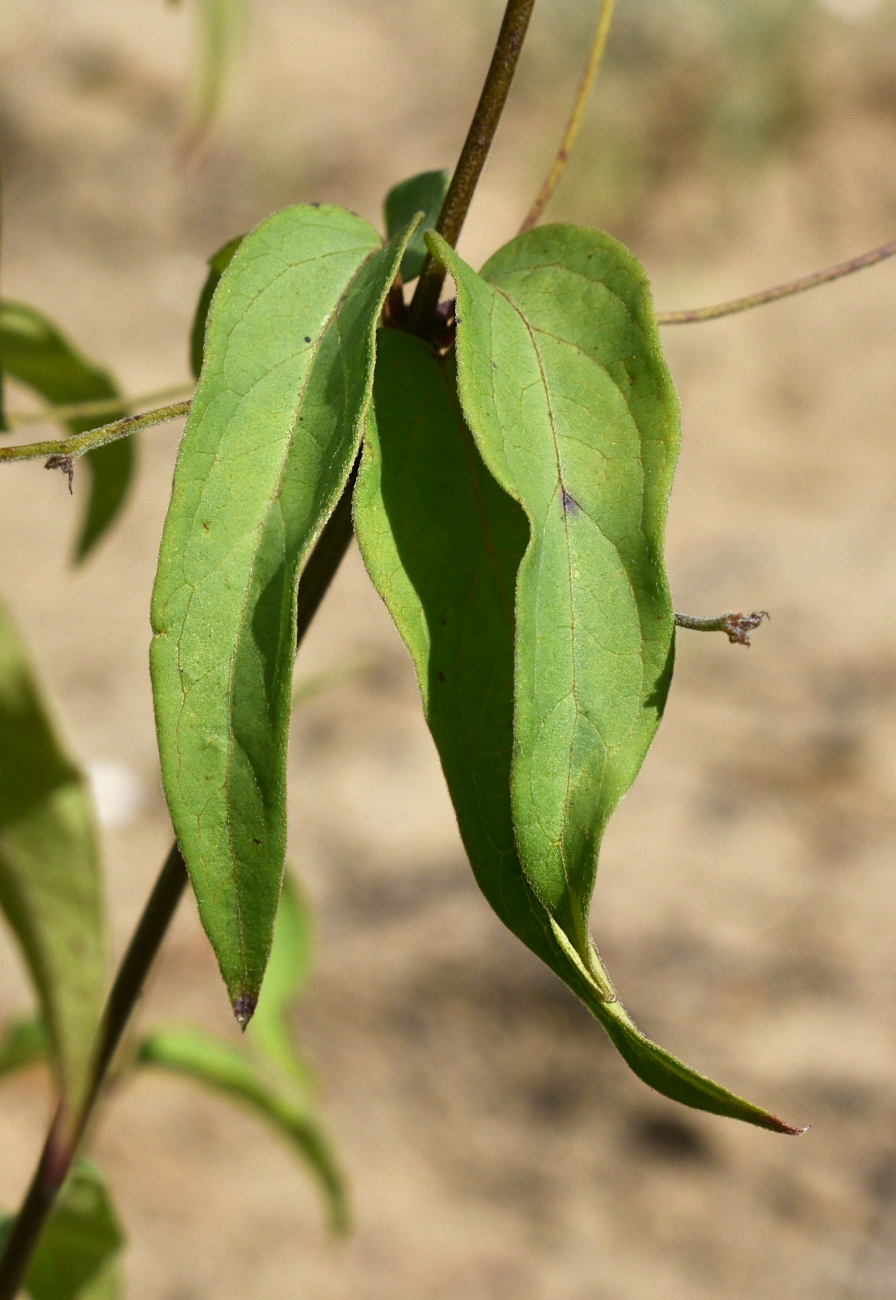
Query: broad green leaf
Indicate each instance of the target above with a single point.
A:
(217, 265)
(564, 386)
(33, 351)
(50, 875)
(23, 1044)
(443, 544)
(218, 1065)
(273, 431)
(76, 1258)
(288, 969)
(424, 193)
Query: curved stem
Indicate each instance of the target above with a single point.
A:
(71, 449)
(63, 1138)
(101, 406)
(697, 314)
(576, 117)
(474, 153)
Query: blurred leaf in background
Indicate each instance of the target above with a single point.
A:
(221, 26)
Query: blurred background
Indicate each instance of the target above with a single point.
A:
(746, 905)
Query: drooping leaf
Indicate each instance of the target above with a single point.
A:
(24, 1043)
(37, 354)
(50, 875)
(221, 27)
(443, 544)
(217, 265)
(424, 193)
(288, 969)
(216, 1064)
(273, 431)
(76, 1258)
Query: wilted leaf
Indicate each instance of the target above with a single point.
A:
(443, 544)
(33, 351)
(76, 1256)
(50, 876)
(214, 1063)
(272, 435)
(424, 193)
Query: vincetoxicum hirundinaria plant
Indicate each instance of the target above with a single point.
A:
(505, 461)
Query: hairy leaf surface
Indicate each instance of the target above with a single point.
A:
(273, 431)
(443, 544)
(50, 876)
(424, 193)
(216, 1064)
(37, 354)
(76, 1258)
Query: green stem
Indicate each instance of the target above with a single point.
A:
(474, 153)
(694, 315)
(100, 406)
(576, 117)
(62, 1140)
(71, 449)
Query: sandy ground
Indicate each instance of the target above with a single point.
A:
(747, 899)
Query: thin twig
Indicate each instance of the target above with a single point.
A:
(737, 627)
(474, 153)
(101, 406)
(80, 443)
(693, 316)
(576, 117)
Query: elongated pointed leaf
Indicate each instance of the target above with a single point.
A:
(221, 26)
(273, 431)
(76, 1256)
(443, 544)
(216, 1064)
(424, 193)
(217, 265)
(36, 353)
(24, 1043)
(288, 969)
(50, 876)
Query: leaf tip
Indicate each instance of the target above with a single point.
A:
(244, 1009)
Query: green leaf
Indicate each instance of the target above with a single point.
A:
(287, 974)
(217, 265)
(272, 435)
(443, 545)
(218, 1065)
(50, 875)
(23, 1044)
(222, 24)
(424, 193)
(76, 1256)
(33, 351)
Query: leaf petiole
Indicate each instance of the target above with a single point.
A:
(80, 443)
(737, 627)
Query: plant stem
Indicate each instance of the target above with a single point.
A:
(737, 627)
(474, 153)
(73, 448)
(62, 1139)
(101, 406)
(576, 117)
(697, 314)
